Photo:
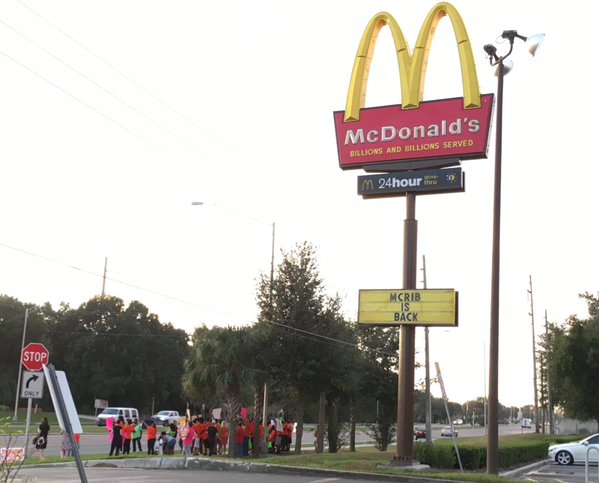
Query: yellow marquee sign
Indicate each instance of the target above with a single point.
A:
(408, 307)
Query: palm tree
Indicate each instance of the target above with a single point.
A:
(219, 366)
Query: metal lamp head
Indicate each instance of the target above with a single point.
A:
(508, 65)
(534, 42)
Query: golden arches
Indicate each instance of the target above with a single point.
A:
(412, 67)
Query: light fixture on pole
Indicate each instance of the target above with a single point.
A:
(503, 68)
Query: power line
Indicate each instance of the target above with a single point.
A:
(301, 332)
(89, 106)
(101, 87)
(123, 75)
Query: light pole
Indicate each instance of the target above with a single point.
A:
(502, 69)
(20, 366)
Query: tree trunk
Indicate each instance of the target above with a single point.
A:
(321, 422)
(352, 427)
(258, 396)
(233, 409)
(299, 431)
(333, 427)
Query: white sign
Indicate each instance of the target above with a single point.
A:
(32, 385)
(65, 392)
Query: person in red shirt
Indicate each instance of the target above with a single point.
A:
(224, 437)
(127, 434)
(239, 436)
(272, 437)
(151, 431)
(249, 427)
(197, 428)
(287, 433)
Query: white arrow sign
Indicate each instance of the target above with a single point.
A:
(32, 385)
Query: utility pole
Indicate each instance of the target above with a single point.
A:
(20, 366)
(534, 357)
(104, 277)
(549, 401)
(427, 376)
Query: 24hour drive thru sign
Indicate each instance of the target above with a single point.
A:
(408, 307)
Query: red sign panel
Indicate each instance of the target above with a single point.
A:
(436, 130)
(35, 356)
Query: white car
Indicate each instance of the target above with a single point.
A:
(166, 417)
(446, 432)
(575, 452)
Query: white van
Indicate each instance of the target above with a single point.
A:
(114, 413)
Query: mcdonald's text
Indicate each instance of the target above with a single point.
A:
(438, 129)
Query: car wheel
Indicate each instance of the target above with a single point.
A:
(564, 458)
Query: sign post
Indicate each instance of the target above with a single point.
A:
(34, 357)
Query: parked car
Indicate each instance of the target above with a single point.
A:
(446, 432)
(575, 452)
(114, 413)
(419, 433)
(166, 417)
(458, 422)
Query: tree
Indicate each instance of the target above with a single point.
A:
(378, 381)
(299, 324)
(220, 366)
(122, 354)
(12, 318)
(573, 363)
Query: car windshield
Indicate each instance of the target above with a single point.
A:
(110, 411)
(163, 413)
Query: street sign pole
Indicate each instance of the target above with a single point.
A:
(27, 424)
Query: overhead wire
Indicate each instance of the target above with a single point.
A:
(123, 75)
(89, 106)
(301, 332)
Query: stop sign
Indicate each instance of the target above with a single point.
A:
(34, 356)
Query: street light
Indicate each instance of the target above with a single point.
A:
(503, 68)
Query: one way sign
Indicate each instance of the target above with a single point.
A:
(32, 385)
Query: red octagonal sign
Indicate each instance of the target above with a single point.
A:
(34, 356)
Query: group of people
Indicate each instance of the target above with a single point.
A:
(124, 434)
(197, 436)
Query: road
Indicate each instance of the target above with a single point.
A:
(132, 475)
(93, 444)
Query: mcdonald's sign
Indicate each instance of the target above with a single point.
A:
(387, 138)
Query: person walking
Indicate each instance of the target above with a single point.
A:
(65, 445)
(41, 440)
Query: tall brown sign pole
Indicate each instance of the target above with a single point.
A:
(405, 386)
(405, 142)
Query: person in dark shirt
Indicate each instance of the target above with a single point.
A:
(41, 440)
(117, 442)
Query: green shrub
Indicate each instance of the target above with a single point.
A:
(436, 456)
(513, 451)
